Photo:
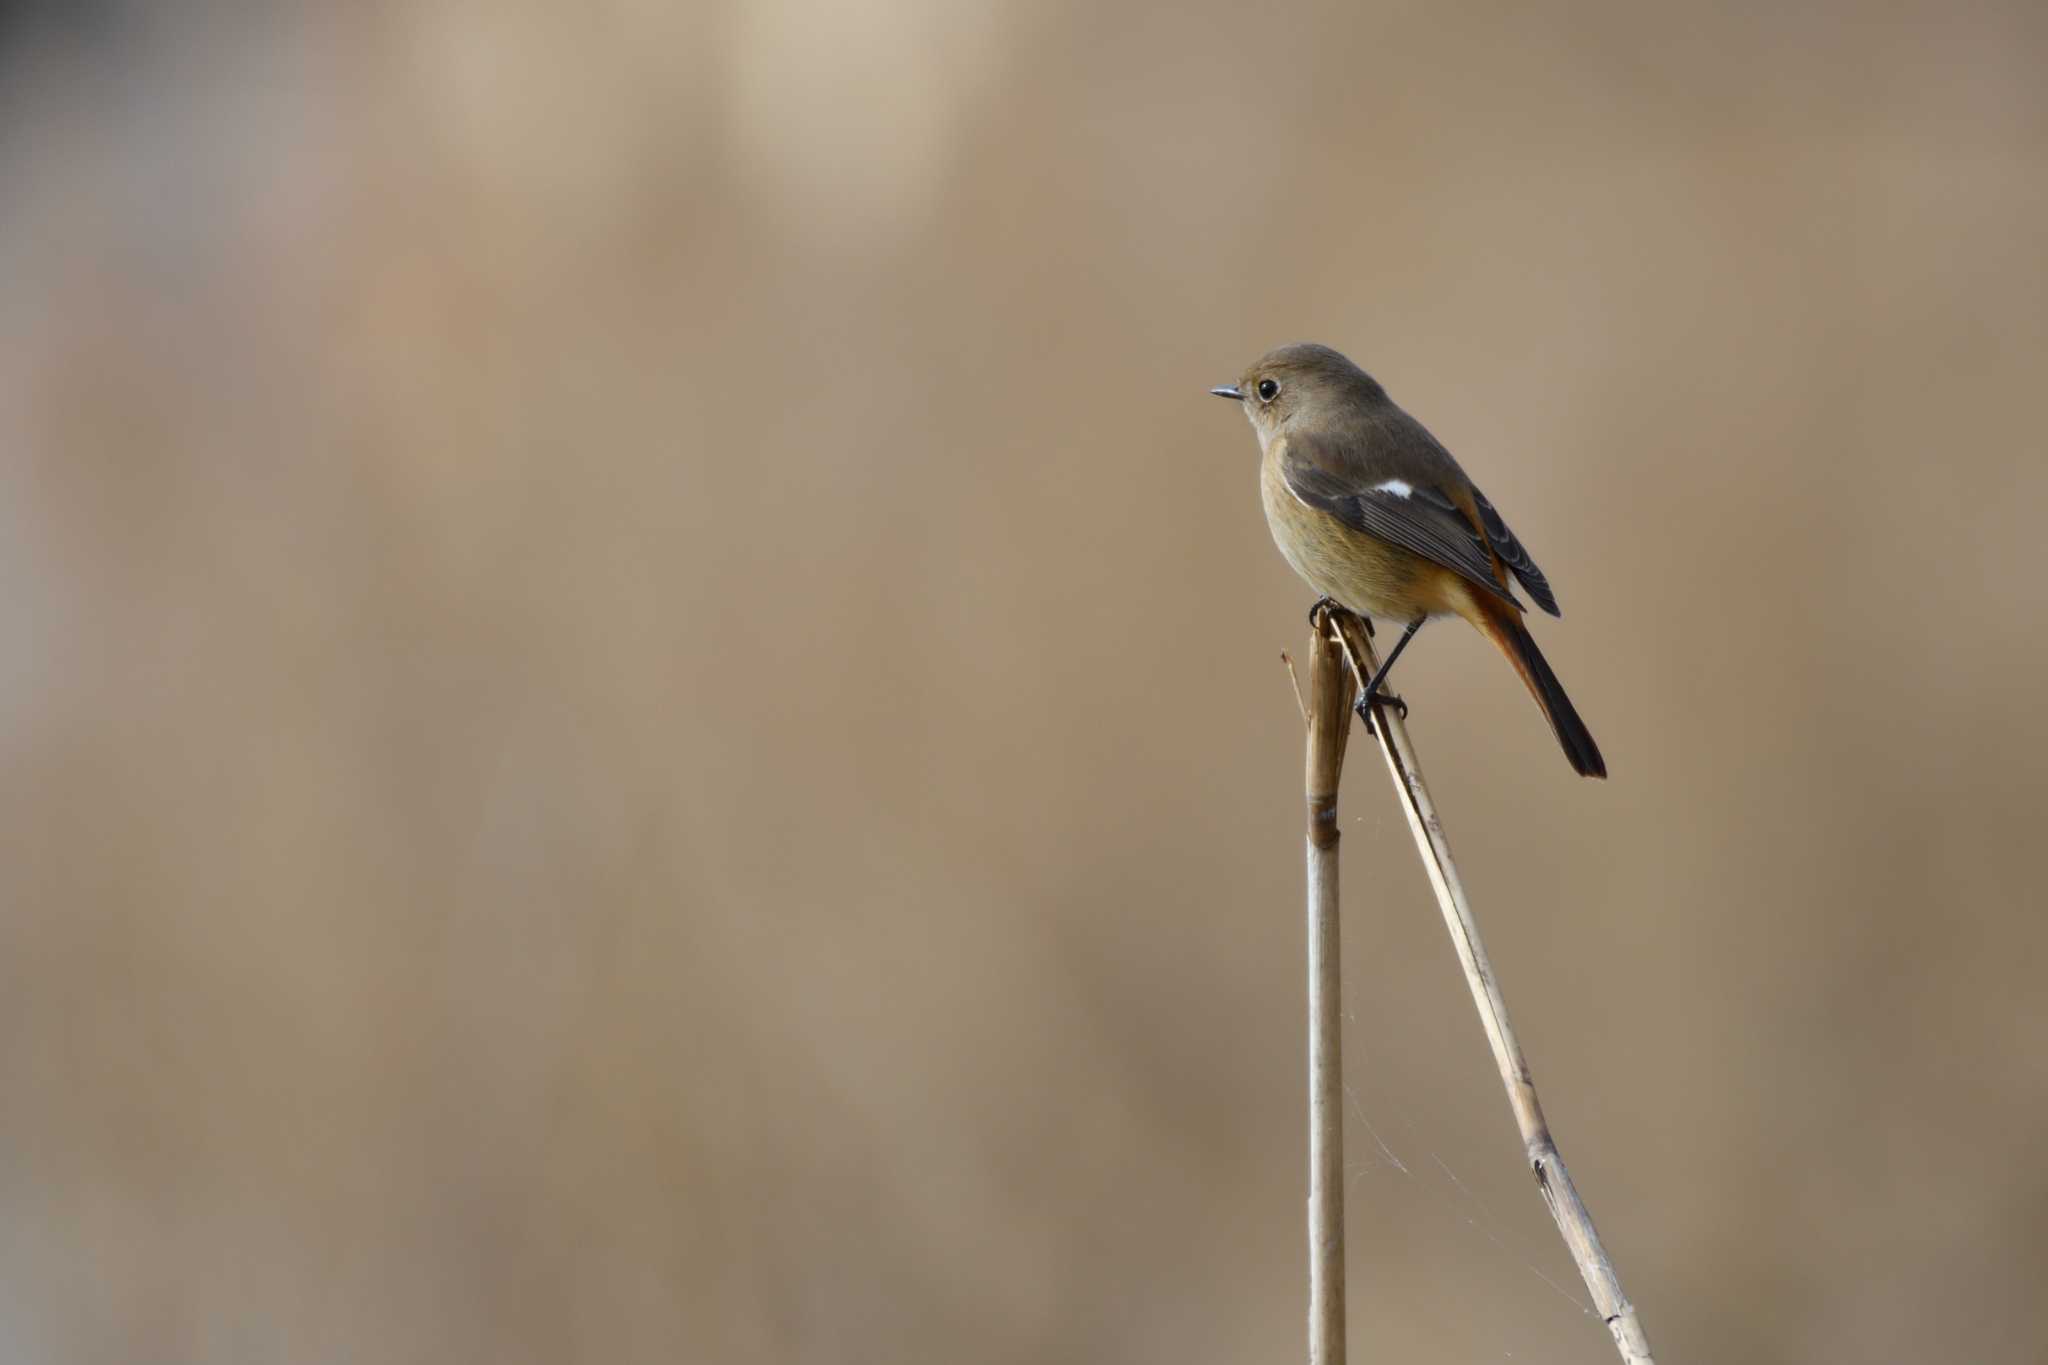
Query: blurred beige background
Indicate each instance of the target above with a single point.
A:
(641, 705)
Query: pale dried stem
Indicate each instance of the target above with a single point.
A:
(1328, 714)
(1574, 1223)
(1300, 702)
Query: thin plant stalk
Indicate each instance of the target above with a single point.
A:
(1328, 713)
(1574, 1223)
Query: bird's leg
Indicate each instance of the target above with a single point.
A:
(1372, 691)
(1315, 613)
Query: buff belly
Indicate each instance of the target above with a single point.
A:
(1361, 571)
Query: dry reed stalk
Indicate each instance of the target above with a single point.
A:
(1328, 713)
(1569, 1211)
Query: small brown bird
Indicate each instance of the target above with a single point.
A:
(1374, 513)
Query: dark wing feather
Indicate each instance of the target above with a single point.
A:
(1515, 557)
(1424, 522)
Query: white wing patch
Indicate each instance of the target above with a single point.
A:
(1400, 488)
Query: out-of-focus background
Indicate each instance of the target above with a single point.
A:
(640, 705)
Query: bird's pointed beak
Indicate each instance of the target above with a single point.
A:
(1227, 391)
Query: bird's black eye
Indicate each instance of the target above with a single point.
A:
(1268, 390)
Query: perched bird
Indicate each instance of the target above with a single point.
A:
(1374, 513)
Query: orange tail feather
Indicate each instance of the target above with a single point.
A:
(1502, 624)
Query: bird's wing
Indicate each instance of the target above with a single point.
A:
(1414, 512)
(1513, 555)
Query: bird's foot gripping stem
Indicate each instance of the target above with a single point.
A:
(1363, 706)
(1326, 604)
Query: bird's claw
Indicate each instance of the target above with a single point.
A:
(1363, 706)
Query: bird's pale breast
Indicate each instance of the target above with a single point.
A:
(1361, 571)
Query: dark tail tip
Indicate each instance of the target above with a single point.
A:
(1572, 734)
(1579, 748)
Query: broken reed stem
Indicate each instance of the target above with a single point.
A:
(1328, 713)
(1569, 1211)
